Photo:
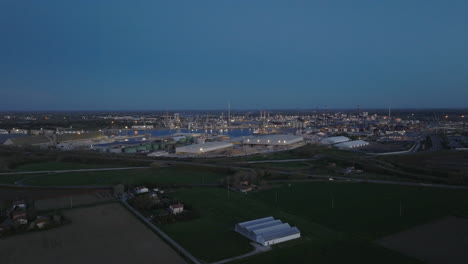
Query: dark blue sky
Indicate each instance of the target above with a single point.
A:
(115, 54)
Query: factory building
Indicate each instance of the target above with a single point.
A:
(203, 148)
(352, 144)
(267, 231)
(334, 140)
(273, 140)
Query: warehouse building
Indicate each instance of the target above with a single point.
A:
(203, 148)
(352, 144)
(273, 140)
(334, 140)
(267, 231)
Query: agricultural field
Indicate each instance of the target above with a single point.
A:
(13, 193)
(220, 211)
(117, 237)
(442, 163)
(169, 175)
(442, 241)
(365, 210)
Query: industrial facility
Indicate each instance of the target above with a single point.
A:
(334, 140)
(204, 147)
(267, 231)
(352, 144)
(273, 140)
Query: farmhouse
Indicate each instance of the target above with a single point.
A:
(141, 189)
(267, 231)
(176, 208)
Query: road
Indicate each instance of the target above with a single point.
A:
(275, 161)
(66, 171)
(258, 249)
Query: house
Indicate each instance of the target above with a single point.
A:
(141, 189)
(17, 214)
(176, 208)
(21, 221)
(20, 204)
(42, 221)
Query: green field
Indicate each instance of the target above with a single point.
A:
(361, 213)
(136, 176)
(12, 178)
(211, 237)
(46, 166)
(366, 210)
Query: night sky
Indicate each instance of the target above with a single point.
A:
(174, 54)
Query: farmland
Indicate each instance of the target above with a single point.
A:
(172, 175)
(118, 237)
(220, 212)
(338, 221)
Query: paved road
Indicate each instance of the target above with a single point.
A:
(275, 161)
(168, 239)
(65, 171)
(258, 249)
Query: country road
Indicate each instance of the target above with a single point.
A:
(65, 171)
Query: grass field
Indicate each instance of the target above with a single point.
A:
(138, 176)
(12, 178)
(117, 237)
(211, 237)
(365, 210)
(45, 166)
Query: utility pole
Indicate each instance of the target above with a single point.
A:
(227, 187)
(229, 114)
(401, 209)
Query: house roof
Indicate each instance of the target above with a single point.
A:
(81, 136)
(5, 137)
(31, 140)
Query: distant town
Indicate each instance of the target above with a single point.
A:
(236, 133)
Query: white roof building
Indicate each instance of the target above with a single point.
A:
(352, 144)
(203, 148)
(334, 140)
(274, 140)
(267, 231)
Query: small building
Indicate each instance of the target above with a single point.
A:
(141, 190)
(42, 221)
(176, 208)
(17, 214)
(267, 231)
(18, 205)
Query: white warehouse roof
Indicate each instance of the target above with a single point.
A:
(334, 140)
(202, 148)
(273, 140)
(267, 231)
(352, 144)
